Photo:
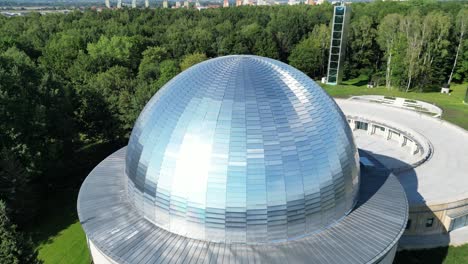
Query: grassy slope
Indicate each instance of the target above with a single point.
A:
(454, 110)
(60, 238)
(69, 246)
(58, 233)
(446, 255)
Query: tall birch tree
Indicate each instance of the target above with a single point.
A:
(461, 28)
(387, 38)
(415, 35)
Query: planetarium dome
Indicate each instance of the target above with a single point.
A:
(242, 149)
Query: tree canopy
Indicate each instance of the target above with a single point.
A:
(14, 248)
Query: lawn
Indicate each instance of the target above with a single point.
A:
(60, 238)
(446, 255)
(454, 110)
(57, 234)
(68, 246)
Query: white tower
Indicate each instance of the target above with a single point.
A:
(133, 3)
(108, 5)
(339, 32)
(146, 3)
(119, 3)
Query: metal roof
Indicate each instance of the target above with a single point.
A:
(114, 225)
(241, 149)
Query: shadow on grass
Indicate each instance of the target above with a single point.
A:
(423, 256)
(58, 209)
(359, 81)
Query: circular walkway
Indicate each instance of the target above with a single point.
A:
(415, 105)
(441, 179)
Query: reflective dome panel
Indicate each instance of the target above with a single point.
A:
(242, 149)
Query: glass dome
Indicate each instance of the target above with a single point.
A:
(242, 149)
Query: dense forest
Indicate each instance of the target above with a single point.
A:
(70, 81)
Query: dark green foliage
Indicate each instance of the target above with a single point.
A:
(14, 247)
(311, 54)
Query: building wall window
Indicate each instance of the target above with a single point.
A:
(429, 222)
(381, 128)
(395, 133)
(361, 125)
(460, 222)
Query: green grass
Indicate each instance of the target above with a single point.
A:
(445, 255)
(452, 105)
(57, 234)
(68, 246)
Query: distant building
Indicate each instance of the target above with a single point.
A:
(108, 5)
(165, 4)
(186, 4)
(177, 4)
(226, 3)
(238, 2)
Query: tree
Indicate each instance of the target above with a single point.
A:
(15, 248)
(435, 32)
(149, 65)
(412, 29)
(105, 100)
(288, 26)
(461, 28)
(21, 109)
(108, 52)
(311, 54)
(362, 49)
(388, 37)
(168, 70)
(62, 49)
(202, 40)
(265, 46)
(192, 59)
(14, 184)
